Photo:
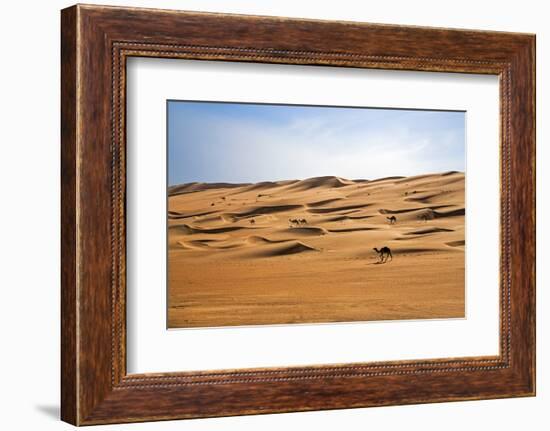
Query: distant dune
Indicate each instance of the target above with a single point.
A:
(199, 187)
(302, 250)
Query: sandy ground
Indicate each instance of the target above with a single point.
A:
(237, 257)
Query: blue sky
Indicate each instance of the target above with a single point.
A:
(247, 143)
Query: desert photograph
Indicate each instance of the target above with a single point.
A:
(286, 214)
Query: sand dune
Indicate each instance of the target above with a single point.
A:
(352, 229)
(320, 182)
(267, 209)
(176, 215)
(408, 210)
(198, 187)
(354, 206)
(324, 202)
(450, 213)
(256, 239)
(343, 218)
(428, 230)
(188, 230)
(302, 250)
(460, 243)
(304, 231)
(292, 247)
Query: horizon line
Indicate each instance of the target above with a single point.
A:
(451, 172)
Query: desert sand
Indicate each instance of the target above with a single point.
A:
(301, 251)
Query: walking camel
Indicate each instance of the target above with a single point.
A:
(392, 219)
(296, 222)
(384, 251)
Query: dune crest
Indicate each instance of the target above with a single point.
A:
(199, 187)
(292, 247)
(318, 182)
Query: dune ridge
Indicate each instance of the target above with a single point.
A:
(317, 182)
(199, 187)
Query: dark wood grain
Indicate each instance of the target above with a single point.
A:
(96, 41)
(69, 397)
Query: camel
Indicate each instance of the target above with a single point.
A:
(252, 221)
(296, 222)
(392, 219)
(383, 251)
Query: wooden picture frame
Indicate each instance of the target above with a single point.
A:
(95, 43)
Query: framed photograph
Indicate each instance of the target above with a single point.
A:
(257, 236)
(263, 214)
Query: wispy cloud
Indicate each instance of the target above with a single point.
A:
(213, 142)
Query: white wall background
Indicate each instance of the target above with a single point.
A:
(29, 214)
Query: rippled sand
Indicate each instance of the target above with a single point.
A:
(302, 251)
